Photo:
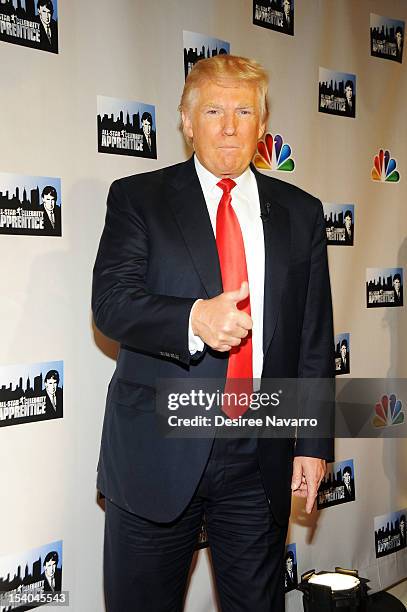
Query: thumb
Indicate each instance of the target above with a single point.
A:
(239, 294)
(297, 476)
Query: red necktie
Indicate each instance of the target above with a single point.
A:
(232, 259)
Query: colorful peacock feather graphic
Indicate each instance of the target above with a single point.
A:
(384, 168)
(388, 412)
(274, 154)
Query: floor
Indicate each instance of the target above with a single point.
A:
(400, 591)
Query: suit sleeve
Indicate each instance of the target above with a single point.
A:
(317, 358)
(123, 308)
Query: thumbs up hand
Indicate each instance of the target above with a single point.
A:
(219, 322)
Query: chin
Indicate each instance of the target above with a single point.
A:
(232, 165)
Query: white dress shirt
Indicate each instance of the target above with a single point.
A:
(246, 204)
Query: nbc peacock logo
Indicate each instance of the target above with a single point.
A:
(388, 411)
(384, 169)
(274, 154)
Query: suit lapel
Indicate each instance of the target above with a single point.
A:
(189, 207)
(276, 228)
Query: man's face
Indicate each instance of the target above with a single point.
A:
(224, 123)
(396, 285)
(48, 202)
(51, 385)
(343, 351)
(45, 15)
(348, 93)
(50, 568)
(348, 222)
(146, 125)
(286, 7)
(346, 478)
(399, 38)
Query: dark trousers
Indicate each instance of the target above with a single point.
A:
(146, 564)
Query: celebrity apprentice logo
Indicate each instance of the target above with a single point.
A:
(390, 532)
(386, 38)
(338, 485)
(388, 412)
(384, 168)
(274, 154)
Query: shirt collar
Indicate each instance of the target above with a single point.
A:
(209, 181)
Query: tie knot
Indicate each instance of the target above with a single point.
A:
(226, 185)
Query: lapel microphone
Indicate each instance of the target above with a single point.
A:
(265, 214)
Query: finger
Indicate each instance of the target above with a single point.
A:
(242, 319)
(229, 339)
(300, 493)
(312, 493)
(240, 332)
(223, 348)
(297, 476)
(239, 294)
(244, 292)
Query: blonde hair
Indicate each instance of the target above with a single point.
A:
(220, 68)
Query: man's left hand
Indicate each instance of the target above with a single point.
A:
(307, 475)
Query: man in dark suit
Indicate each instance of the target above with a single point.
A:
(52, 575)
(288, 16)
(48, 26)
(208, 270)
(54, 396)
(149, 143)
(344, 357)
(399, 44)
(290, 574)
(397, 290)
(350, 99)
(348, 483)
(52, 212)
(348, 225)
(402, 525)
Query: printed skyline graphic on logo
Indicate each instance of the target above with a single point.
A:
(384, 169)
(274, 154)
(388, 412)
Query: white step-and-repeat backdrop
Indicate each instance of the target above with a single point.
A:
(80, 81)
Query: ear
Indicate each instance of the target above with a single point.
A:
(187, 124)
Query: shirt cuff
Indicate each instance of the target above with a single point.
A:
(195, 343)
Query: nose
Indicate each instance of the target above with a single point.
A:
(229, 124)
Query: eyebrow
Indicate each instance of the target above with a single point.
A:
(219, 106)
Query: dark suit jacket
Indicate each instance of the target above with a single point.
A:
(288, 26)
(147, 152)
(58, 581)
(350, 110)
(49, 408)
(157, 255)
(350, 495)
(345, 367)
(349, 238)
(398, 299)
(48, 229)
(45, 43)
(290, 584)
